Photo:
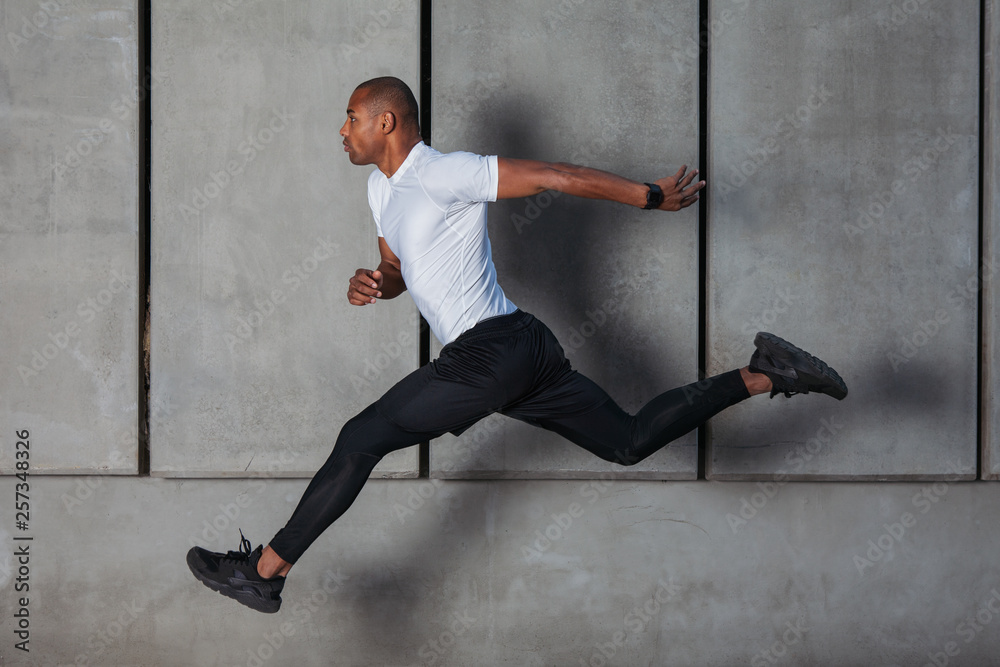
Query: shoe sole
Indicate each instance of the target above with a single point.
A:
(803, 363)
(243, 597)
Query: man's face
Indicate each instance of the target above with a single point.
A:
(361, 131)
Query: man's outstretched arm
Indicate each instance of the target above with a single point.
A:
(524, 178)
(385, 282)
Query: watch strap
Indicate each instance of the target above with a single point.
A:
(654, 197)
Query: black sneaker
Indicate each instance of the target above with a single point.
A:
(793, 371)
(234, 574)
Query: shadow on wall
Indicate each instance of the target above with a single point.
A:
(553, 255)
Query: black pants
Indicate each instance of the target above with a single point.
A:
(512, 365)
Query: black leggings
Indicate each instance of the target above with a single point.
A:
(513, 365)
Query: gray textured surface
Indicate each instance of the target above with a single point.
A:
(791, 251)
(68, 235)
(383, 584)
(259, 219)
(617, 286)
(991, 248)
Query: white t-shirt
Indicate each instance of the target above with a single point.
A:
(432, 215)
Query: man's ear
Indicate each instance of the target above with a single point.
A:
(388, 122)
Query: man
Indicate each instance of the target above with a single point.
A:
(430, 214)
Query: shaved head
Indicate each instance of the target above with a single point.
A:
(387, 93)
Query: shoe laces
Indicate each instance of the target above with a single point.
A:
(243, 554)
(788, 394)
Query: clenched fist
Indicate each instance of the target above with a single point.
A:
(365, 287)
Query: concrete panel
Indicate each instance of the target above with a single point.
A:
(570, 81)
(69, 235)
(259, 220)
(648, 573)
(843, 217)
(991, 244)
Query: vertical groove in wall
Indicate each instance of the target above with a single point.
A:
(425, 131)
(984, 432)
(703, 27)
(144, 122)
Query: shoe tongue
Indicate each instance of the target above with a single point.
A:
(255, 555)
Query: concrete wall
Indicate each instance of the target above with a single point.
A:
(69, 243)
(258, 222)
(991, 244)
(617, 286)
(647, 574)
(253, 372)
(844, 217)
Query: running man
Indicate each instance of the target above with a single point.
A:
(430, 215)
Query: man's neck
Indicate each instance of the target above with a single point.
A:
(396, 156)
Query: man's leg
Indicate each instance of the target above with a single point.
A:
(578, 409)
(362, 443)
(449, 394)
(614, 435)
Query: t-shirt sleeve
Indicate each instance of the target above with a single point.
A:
(375, 201)
(471, 177)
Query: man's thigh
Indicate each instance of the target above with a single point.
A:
(450, 394)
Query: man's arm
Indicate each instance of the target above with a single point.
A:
(385, 282)
(524, 178)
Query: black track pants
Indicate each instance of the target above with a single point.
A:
(512, 365)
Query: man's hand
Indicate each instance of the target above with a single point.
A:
(365, 287)
(678, 191)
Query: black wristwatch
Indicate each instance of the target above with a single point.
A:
(654, 197)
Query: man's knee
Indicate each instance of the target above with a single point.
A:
(370, 432)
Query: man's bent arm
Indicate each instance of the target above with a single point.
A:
(524, 178)
(385, 282)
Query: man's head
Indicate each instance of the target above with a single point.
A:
(381, 113)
